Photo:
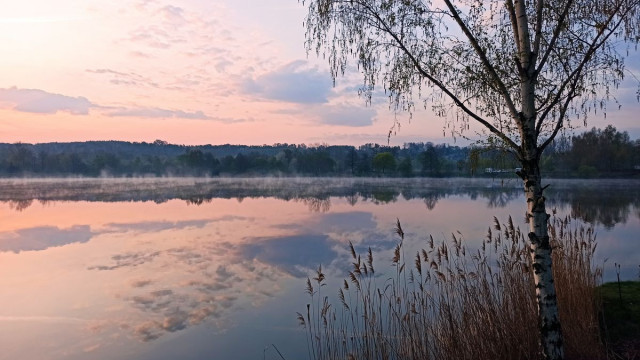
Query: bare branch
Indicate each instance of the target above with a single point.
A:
(559, 123)
(597, 42)
(538, 35)
(441, 86)
(480, 52)
(554, 38)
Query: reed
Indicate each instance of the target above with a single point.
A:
(449, 301)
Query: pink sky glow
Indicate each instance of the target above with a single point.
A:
(191, 72)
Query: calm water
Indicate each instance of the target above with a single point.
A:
(196, 269)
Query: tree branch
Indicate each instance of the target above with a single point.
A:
(514, 25)
(559, 124)
(595, 44)
(554, 38)
(487, 64)
(440, 85)
(538, 35)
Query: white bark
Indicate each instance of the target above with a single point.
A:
(540, 248)
(549, 322)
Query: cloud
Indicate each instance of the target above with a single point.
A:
(140, 283)
(188, 257)
(168, 26)
(230, 120)
(172, 308)
(147, 331)
(127, 260)
(141, 5)
(91, 348)
(169, 317)
(44, 237)
(222, 64)
(125, 78)
(189, 82)
(336, 115)
(43, 319)
(291, 83)
(42, 102)
(345, 222)
(176, 321)
(156, 113)
(156, 226)
(292, 254)
(140, 54)
(347, 115)
(154, 37)
(173, 14)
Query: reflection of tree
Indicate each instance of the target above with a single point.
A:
(20, 205)
(607, 214)
(601, 202)
(352, 199)
(384, 196)
(198, 200)
(44, 202)
(501, 199)
(606, 206)
(430, 200)
(317, 205)
(407, 194)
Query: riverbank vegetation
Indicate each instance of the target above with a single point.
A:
(621, 313)
(450, 300)
(617, 156)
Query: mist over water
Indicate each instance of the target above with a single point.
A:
(215, 268)
(601, 202)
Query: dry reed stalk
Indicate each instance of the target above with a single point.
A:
(458, 303)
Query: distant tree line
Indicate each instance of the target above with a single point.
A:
(595, 153)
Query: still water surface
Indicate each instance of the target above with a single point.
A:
(215, 269)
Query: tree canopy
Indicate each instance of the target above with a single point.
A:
(516, 67)
(384, 162)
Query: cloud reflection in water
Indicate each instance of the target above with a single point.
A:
(43, 237)
(191, 269)
(210, 279)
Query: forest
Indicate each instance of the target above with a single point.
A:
(592, 154)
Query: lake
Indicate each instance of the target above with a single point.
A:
(216, 268)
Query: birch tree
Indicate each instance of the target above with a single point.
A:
(522, 69)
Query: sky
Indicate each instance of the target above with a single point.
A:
(193, 72)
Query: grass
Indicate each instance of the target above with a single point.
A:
(448, 301)
(621, 313)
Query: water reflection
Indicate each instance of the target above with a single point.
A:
(605, 202)
(43, 237)
(129, 283)
(19, 205)
(292, 254)
(161, 265)
(606, 207)
(315, 204)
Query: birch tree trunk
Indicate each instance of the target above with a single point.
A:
(540, 247)
(540, 250)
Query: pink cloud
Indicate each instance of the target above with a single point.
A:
(42, 102)
(158, 113)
